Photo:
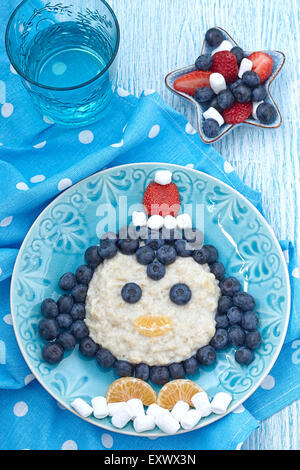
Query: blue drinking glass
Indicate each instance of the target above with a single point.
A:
(65, 52)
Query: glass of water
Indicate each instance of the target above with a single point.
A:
(65, 52)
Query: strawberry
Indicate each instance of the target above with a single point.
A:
(237, 113)
(190, 82)
(225, 63)
(162, 199)
(262, 65)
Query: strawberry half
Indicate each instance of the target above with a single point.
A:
(262, 65)
(225, 63)
(239, 112)
(190, 82)
(162, 199)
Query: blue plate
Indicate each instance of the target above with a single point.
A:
(56, 244)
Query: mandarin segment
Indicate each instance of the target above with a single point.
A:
(125, 388)
(151, 326)
(180, 389)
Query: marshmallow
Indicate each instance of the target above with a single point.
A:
(82, 407)
(180, 409)
(154, 410)
(139, 219)
(170, 222)
(220, 403)
(217, 82)
(155, 222)
(100, 408)
(113, 407)
(255, 105)
(212, 113)
(144, 423)
(167, 423)
(201, 402)
(245, 66)
(163, 177)
(121, 417)
(136, 407)
(184, 221)
(224, 46)
(190, 419)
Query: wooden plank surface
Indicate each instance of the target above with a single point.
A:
(158, 36)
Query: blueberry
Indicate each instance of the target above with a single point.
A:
(142, 371)
(52, 353)
(180, 294)
(251, 79)
(230, 286)
(170, 236)
(131, 292)
(128, 246)
(88, 347)
(211, 128)
(206, 355)
(218, 270)
(244, 301)
(214, 37)
(234, 315)
(166, 254)
(204, 62)
(84, 274)
(64, 320)
(176, 370)
(213, 253)
(220, 339)
(66, 340)
(92, 257)
(79, 329)
(204, 94)
(123, 368)
(239, 54)
(259, 93)
(78, 311)
(266, 113)
(253, 339)
(243, 355)
(249, 321)
(156, 270)
(154, 240)
(145, 255)
(221, 321)
(190, 365)
(65, 303)
(234, 85)
(242, 94)
(224, 304)
(107, 248)
(225, 99)
(105, 358)
(49, 308)
(194, 237)
(159, 374)
(48, 329)
(214, 104)
(236, 336)
(181, 246)
(79, 293)
(201, 256)
(67, 281)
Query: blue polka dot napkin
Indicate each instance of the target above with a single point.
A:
(38, 160)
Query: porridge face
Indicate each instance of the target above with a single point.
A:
(180, 330)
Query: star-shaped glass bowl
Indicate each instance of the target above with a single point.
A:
(278, 61)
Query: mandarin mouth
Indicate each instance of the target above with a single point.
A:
(153, 325)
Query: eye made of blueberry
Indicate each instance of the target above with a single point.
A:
(180, 294)
(131, 292)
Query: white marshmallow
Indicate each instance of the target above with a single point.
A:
(245, 66)
(82, 407)
(184, 221)
(155, 222)
(220, 403)
(163, 177)
(154, 410)
(121, 417)
(217, 82)
(167, 423)
(201, 403)
(144, 423)
(170, 222)
(212, 113)
(136, 407)
(100, 408)
(255, 105)
(180, 409)
(224, 46)
(190, 419)
(139, 219)
(113, 407)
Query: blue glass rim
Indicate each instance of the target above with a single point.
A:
(81, 85)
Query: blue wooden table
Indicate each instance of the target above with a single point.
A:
(158, 36)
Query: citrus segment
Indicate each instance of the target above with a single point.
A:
(180, 389)
(149, 325)
(125, 388)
